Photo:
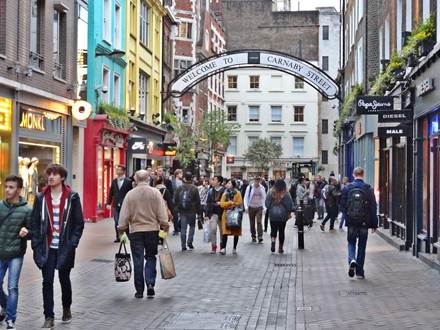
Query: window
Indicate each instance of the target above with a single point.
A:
(232, 147)
(144, 23)
(232, 81)
(185, 115)
(276, 113)
(254, 113)
(232, 113)
(118, 29)
(107, 20)
(298, 146)
(185, 30)
(105, 84)
(116, 90)
(132, 84)
(324, 157)
(298, 113)
(325, 63)
(254, 82)
(180, 66)
(133, 18)
(143, 92)
(36, 60)
(325, 32)
(299, 83)
(252, 140)
(324, 126)
(276, 140)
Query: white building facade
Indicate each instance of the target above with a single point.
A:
(274, 105)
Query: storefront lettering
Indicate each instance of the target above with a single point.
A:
(32, 120)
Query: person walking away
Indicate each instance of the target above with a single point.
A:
(167, 182)
(57, 225)
(214, 211)
(166, 195)
(359, 205)
(15, 221)
(254, 199)
(203, 194)
(331, 195)
(144, 213)
(345, 183)
(187, 203)
(231, 198)
(304, 194)
(118, 189)
(319, 184)
(279, 206)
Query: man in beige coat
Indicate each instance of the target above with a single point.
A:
(145, 213)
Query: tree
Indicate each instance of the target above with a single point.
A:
(262, 154)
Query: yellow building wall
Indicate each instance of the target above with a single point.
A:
(147, 58)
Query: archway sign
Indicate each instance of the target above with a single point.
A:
(308, 72)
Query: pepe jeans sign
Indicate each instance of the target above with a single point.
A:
(302, 69)
(372, 105)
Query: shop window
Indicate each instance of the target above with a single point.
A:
(298, 113)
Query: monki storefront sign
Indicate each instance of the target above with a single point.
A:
(32, 120)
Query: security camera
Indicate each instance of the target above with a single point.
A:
(105, 89)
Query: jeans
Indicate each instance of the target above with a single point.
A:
(214, 223)
(278, 227)
(116, 213)
(144, 246)
(185, 221)
(10, 301)
(48, 279)
(343, 220)
(256, 213)
(320, 207)
(225, 241)
(359, 235)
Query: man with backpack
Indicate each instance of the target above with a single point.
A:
(331, 194)
(187, 202)
(358, 204)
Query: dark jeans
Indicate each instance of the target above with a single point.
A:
(187, 220)
(116, 212)
(278, 227)
(48, 279)
(225, 241)
(144, 246)
(341, 224)
(332, 214)
(357, 235)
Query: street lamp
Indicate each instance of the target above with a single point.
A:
(116, 52)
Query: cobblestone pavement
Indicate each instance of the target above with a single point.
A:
(254, 289)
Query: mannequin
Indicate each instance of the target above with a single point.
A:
(33, 180)
(23, 172)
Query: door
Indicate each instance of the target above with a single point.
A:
(435, 196)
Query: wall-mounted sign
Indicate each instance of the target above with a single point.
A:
(137, 145)
(81, 110)
(32, 120)
(5, 114)
(371, 105)
(230, 159)
(397, 131)
(169, 149)
(395, 116)
(425, 87)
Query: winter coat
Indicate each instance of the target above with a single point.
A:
(194, 197)
(214, 196)
(11, 244)
(227, 203)
(72, 226)
(279, 211)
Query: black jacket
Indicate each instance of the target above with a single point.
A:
(168, 198)
(195, 207)
(72, 227)
(116, 196)
(214, 196)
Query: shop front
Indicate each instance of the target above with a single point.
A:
(105, 148)
(5, 140)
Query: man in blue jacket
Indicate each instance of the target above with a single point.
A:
(359, 206)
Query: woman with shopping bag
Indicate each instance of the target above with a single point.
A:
(231, 203)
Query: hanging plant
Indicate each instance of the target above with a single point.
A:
(347, 108)
(116, 116)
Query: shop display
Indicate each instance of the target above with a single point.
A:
(28, 171)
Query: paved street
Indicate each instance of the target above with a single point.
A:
(252, 290)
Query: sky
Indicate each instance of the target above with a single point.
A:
(312, 4)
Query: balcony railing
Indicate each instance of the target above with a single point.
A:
(36, 60)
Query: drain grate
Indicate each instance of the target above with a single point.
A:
(352, 293)
(284, 265)
(104, 261)
(200, 321)
(304, 308)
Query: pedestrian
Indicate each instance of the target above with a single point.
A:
(279, 206)
(203, 193)
(319, 184)
(358, 203)
(118, 189)
(161, 173)
(15, 221)
(144, 213)
(57, 226)
(345, 182)
(331, 195)
(187, 203)
(304, 193)
(244, 186)
(231, 198)
(178, 179)
(214, 211)
(254, 199)
(166, 195)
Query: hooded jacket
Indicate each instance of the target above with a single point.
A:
(11, 244)
(71, 222)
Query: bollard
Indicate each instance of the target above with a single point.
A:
(300, 222)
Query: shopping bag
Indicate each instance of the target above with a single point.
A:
(122, 265)
(167, 269)
(234, 217)
(206, 232)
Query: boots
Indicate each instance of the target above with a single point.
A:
(117, 240)
(280, 248)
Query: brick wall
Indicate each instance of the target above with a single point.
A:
(2, 26)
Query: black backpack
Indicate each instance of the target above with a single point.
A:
(358, 206)
(185, 199)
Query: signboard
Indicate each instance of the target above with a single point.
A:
(81, 110)
(397, 131)
(169, 149)
(230, 159)
(137, 145)
(5, 114)
(371, 105)
(425, 87)
(32, 120)
(291, 65)
(395, 116)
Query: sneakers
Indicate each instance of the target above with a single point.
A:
(322, 227)
(352, 268)
(213, 249)
(49, 323)
(2, 315)
(10, 325)
(138, 295)
(234, 251)
(190, 246)
(150, 291)
(360, 277)
(67, 315)
(223, 252)
(272, 247)
(260, 241)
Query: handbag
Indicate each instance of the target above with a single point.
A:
(122, 265)
(166, 261)
(234, 217)
(206, 232)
